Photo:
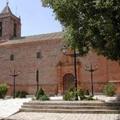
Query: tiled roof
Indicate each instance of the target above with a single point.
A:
(6, 10)
(41, 37)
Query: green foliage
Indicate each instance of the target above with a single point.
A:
(40, 95)
(109, 89)
(3, 90)
(89, 98)
(21, 94)
(81, 94)
(69, 95)
(87, 92)
(84, 95)
(90, 24)
(44, 97)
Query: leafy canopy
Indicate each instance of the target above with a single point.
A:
(90, 24)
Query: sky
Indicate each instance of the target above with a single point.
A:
(35, 18)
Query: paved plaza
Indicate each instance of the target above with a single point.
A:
(11, 106)
(62, 116)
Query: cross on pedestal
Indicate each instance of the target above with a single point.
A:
(91, 69)
(14, 75)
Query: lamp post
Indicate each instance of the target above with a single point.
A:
(37, 79)
(74, 55)
(14, 75)
(91, 69)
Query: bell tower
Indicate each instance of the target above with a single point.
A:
(10, 25)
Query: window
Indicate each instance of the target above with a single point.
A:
(15, 30)
(11, 57)
(0, 29)
(38, 55)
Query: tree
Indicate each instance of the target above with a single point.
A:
(90, 24)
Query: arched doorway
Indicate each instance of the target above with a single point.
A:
(68, 82)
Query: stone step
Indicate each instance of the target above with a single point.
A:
(102, 111)
(70, 107)
(64, 103)
(72, 103)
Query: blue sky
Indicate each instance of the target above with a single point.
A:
(35, 19)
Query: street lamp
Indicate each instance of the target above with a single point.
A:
(91, 69)
(14, 75)
(37, 79)
(74, 55)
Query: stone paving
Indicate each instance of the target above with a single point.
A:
(11, 106)
(8, 107)
(62, 116)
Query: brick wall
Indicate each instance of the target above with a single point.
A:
(26, 64)
(52, 66)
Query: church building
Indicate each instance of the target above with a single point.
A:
(32, 61)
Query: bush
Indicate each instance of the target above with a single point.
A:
(3, 90)
(87, 92)
(109, 89)
(81, 94)
(17, 93)
(21, 94)
(84, 95)
(89, 98)
(44, 97)
(70, 95)
(40, 92)
(40, 95)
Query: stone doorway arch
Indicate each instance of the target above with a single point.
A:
(68, 82)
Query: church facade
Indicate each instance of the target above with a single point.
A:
(38, 60)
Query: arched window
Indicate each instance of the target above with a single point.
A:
(12, 57)
(0, 29)
(38, 55)
(15, 29)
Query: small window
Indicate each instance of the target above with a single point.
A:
(15, 30)
(11, 57)
(0, 29)
(38, 55)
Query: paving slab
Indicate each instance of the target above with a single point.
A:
(62, 116)
(11, 106)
